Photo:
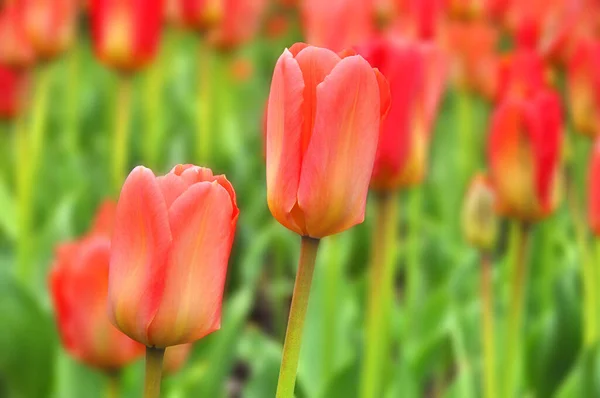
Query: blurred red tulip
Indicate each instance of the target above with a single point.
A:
(338, 24)
(467, 9)
(16, 50)
(175, 357)
(594, 190)
(240, 21)
(416, 73)
(420, 19)
(11, 93)
(79, 287)
(50, 25)
(126, 33)
(524, 154)
(170, 248)
(197, 14)
(584, 87)
(521, 74)
(324, 115)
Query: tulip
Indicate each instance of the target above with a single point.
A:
(175, 358)
(11, 88)
(479, 220)
(322, 131)
(594, 191)
(524, 153)
(126, 33)
(197, 14)
(16, 50)
(79, 287)
(240, 21)
(584, 87)
(337, 24)
(419, 19)
(50, 25)
(416, 74)
(520, 75)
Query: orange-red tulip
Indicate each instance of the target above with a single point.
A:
(524, 154)
(126, 33)
(11, 93)
(175, 357)
(79, 287)
(594, 191)
(521, 74)
(323, 121)
(170, 248)
(420, 19)
(50, 25)
(16, 50)
(416, 73)
(584, 87)
(338, 24)
(197, 14)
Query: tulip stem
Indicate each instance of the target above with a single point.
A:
(71, 114)
(293, 335)
(413, 271)
(154, 365)
(204, 121)
(121, 133)
(113, 385)
(380, 296)
(487, 326)
(521, 234)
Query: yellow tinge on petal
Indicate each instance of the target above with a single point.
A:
(118, 40)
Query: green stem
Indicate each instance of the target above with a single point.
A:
(154, 365)
(30, 145)
(293, 335)
(465, 130)
(413, 270)
(121, 133)
(380, 298)
(113, 385)
(333, 276)
(204, 121)
(517, 303)
(72, 103)
(487, 327)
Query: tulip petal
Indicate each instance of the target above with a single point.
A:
(338, 163)
(140, 244)
(201, 222)
(284, 126)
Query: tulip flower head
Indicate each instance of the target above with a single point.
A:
(584, 87)
(521, 74)
(323, 121)
(79, 287)
(126, 33)
(16, 50)
(198, 14)
(594, 191)
(524, 152)
(170, 248)
(416, 73)
(479, 219)
(50, 25)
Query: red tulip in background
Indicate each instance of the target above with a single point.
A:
(416, 73)
(16, 50)
(584, 87)
(50, 25)
(170, 248)
(521, 74)
(524, 154)
(126, 33)
(420, 19)
(594, 190)
(323, 116)
(197, 14)
(11, 89)
(337, 24)
(79, 287)
(175, 357)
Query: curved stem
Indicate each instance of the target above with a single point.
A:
(293, 335)
(113, 385)
(517, 303)
(487, 327)
(204, 121)
(380, 297)
(154, 365)
(121, 133)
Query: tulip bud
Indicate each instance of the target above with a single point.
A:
(16, 50)
(126, 33)
(11, 89)
(323, 116)
(175, 357)
(241, 20)
(198, 14)
(584, 87)
(416, 73)
(594, 190)
(521, 75)
(50, 25)
(170, 248)
(524, 154)
(479, 220)
(79, 285)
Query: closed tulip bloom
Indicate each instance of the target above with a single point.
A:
(50, 25)
(584, 87)
(521, 74)
(11, 93)
(126, 33)
(323, 121)
(79, 287)
(479, 219)
(239, 23)
(416, 73)
(524, 153)
(175, 357)
(197, 14)
(419, 19)
(16, 50)
(337, 24)
(170, 248)
(594, 191)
